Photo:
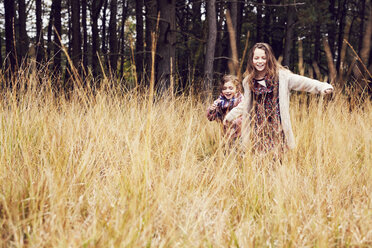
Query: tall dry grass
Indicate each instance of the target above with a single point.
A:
(79, 173)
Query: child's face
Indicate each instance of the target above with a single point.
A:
(259, 60)
(229, 90)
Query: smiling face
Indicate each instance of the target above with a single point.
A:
(229, 90)
(259, 62)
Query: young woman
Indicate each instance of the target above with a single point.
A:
(229, 98)
(265, 107)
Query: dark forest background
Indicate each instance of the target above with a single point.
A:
(196, 39)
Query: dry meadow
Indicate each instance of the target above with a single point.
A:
(101, 170)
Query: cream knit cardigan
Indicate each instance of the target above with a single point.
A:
(287, 81)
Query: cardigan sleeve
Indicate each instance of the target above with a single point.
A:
(301, 83)
(236, 111)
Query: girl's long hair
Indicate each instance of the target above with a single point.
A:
(272, 65)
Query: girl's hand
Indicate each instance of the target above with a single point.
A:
(214, 105)
(328, 91)
(225, 122)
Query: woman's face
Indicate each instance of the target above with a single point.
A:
(229, 90)
(259, 60)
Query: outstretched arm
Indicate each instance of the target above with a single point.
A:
(301, 83)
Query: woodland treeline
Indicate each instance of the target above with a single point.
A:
(196, 40)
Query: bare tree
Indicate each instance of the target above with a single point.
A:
(95, 10)
(139, 39)
(39, 33)
(49, 50)
(239, 22)
(267, 26)
(113, 41)
(342, 13)
(332, 26)
(233, 8)
(259, 27)
(150, 21)
(76, 35)
(362, 8)
(1, 56)
(167, 43)
(9, 38)
(366, 44)
(104, 35)
(85, 34)
(211, 44)
(23, 41)
(122, 48)
(289, 35)
(57, 32)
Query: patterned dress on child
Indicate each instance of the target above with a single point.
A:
(224, 105)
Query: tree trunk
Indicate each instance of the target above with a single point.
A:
(1, 56)
(366, 45)
(139, 40)
(167, 43)
(195, 46)
(69, 27)
(289, 35)
(361, 26)
(366, 50)
(96, 8)
(317, 37)
(342, 17)
(196, 16)
(57, 33)
(239, 24)
(104, 36)
(76, 38)
(259, 28)
(151, 16)
(211, 45)
(39, 34)
(220, 64)
(331, 66)
(49, 51)
(23, 41)
(113, 37)
(332, 26)
(123, 19)
(9, 38)
(267, 34)
(85, 34)
(68, 82)
(233, 7)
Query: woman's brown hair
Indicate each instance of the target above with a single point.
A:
(272, 65)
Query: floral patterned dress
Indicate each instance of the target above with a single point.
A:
(267, 131)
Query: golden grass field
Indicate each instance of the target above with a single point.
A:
(103, 171)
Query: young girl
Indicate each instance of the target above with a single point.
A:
(229, 98)
(267, 87)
